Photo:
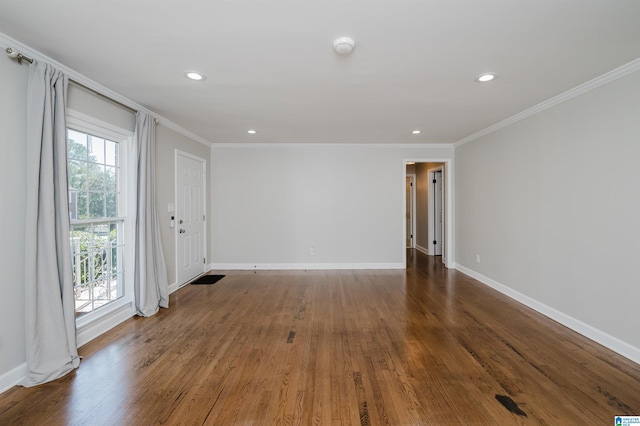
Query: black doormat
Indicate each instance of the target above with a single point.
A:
(208, 279)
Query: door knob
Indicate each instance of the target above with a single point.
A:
(180, 221)
(182, 231)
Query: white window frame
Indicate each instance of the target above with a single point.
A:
(92, 324)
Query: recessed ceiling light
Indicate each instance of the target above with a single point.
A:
(195, 76)
(251, 132)
(410, 163)
(483, 78)
(416, 132)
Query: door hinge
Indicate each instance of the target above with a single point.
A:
(204, 217)
(204, 260)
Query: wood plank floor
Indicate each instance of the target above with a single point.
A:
(416, 347)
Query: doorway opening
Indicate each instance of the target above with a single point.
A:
(429, 207)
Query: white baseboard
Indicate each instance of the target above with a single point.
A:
(623, 348)
(422, 249)
(13, 377)
(173, 287)
(302, 266)
(100, 325)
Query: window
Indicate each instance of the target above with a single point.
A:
(97, 221)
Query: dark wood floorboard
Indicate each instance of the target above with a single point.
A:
(425, 346)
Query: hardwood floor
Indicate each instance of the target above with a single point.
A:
(416, 347)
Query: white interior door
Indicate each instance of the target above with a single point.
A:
(410, 198)
(436, 212)
(409, 207)
(437, 195)
(190, 217)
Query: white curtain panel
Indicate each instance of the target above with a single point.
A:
(150, 282)
(50, 328)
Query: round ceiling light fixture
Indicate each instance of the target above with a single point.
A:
(192, 75)
(416, 132)
(484, 78)
(343, 45)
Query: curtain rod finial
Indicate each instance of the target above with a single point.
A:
(13, 53)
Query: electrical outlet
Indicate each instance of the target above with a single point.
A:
(312, 251)
(477, 258)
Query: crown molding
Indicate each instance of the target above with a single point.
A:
(606, 78)
(6, 41)
(333, 144)
(173, 126)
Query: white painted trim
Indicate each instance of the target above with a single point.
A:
(598, 336)
(103, 322)
(333, 145)
(173, 287)
(95, 323)
(90, 124)
(205, 212)
(302, 266)
(85, 81)
(13, 377)
(448, 255)
(422, 249)
(606, 78)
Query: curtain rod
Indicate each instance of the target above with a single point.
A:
(95, 92)
(13, 53)
(103, 96)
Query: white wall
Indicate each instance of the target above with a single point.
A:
(12, 217)
(551, 205)
(271, 204)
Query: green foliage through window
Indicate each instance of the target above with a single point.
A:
(93, 167)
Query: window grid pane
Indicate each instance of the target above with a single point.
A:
(97, 262)
(97, 247)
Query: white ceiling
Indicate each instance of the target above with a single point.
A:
(270, 64)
